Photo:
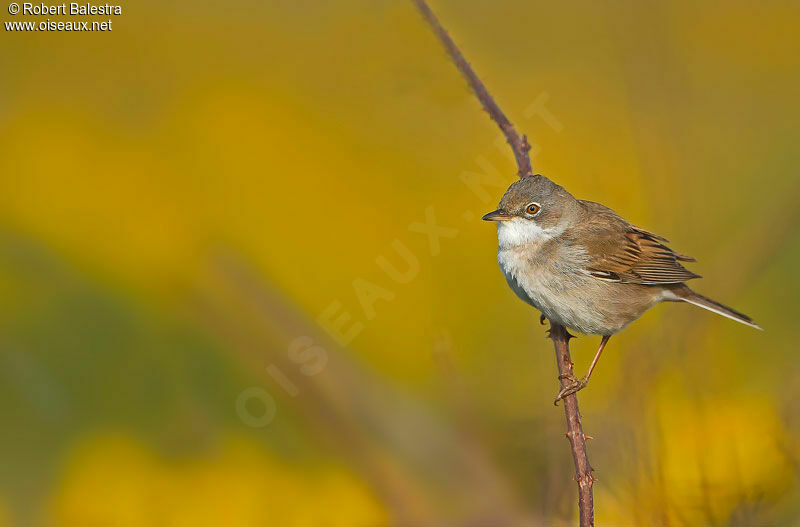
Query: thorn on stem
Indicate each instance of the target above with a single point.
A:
(586, 480)
(526, 146)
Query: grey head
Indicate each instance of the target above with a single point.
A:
(538, 200)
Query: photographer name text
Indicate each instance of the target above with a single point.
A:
(73, 9)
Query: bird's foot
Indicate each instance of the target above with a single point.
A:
(572, 385)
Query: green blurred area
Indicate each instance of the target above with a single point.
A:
(189, 202)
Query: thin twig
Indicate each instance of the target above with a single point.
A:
(577, 440)
(520, 147)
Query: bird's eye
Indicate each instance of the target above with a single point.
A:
(533, 209)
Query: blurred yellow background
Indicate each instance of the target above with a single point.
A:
(220, 304)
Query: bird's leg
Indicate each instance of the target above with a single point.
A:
(574, 384)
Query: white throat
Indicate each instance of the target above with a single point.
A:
(519, 231)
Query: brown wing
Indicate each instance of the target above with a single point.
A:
(621, 252)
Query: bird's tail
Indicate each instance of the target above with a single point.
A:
(682, 292)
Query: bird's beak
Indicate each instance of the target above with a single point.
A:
(497, 215)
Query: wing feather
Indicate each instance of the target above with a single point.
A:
(621, 252)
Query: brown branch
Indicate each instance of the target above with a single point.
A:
(520, 147)
(577, 439)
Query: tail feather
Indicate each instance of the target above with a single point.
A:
(687, 295)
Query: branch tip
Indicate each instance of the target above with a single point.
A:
(489, 105)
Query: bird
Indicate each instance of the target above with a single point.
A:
(585, 267)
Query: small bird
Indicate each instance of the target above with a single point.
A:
(585, 267)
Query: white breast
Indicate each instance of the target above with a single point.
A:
(553, 281)
(519, 243)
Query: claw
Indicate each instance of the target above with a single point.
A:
(572, 386)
